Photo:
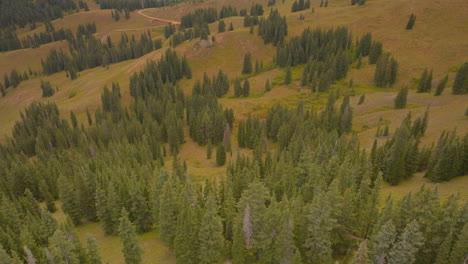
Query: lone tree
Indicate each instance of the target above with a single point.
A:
(425, 82)
(220, 155)
(267, 86)
(401, 98)
(441, 86)
(246, 88)
(127, 233)
(460, 85)
(411, 21)
(221, 26)
(247, 64)
(288, 77)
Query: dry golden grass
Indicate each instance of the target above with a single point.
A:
(456, 186)
(446, 112)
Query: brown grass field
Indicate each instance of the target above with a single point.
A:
(439, 41)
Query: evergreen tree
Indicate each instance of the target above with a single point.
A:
(220, 155)
(458, 254)
(460, 84)
(247, 68)
(221, 26)
(288, 76)
(237, 88)
(425, 82)
(362, 255)
(186, 242)
(441, 86)
(73, 119)
(246, 88)
(362, 99)
(231, 27)
(408, 244)
(411, 21)
(318, 244)
(62, 249)
(93, 250)
(385, 71)
(401, 98)
(209, 150)
(267, 86)
(382, 242)
(443, 253)
(168, 211)
(127, 233)
(69, 200)
(211, 233)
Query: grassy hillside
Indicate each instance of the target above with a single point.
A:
(437, 41)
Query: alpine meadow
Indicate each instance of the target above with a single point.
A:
(233, 132)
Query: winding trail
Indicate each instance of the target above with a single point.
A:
(143, 28)
(159, 19)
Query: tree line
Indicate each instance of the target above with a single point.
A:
(23, 12)
(85, 52)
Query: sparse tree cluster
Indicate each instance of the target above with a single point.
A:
(273, 29)
(47, 90)
(88, 52)
(300, 5)
(386, 71)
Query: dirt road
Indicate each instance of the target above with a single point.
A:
(159, 19)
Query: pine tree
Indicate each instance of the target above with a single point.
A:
(186, 242)
(247, 68)
(441, 86)
(211, 233)
(443, 253)
(220, 155)
(411, 21)
(401, 98)
(362, 99)
(362, 255)
(69, 200)
(127, 233)
(237, 88)
(73, 119)
(231, 27)
(93, 250)
(62, 249)
(221, 26)
(460, 84)
(246, 88)
(458, 254)
(318, 244)
(288, 76)
(383, 241)
(168, 213)
(209, 150)
(267, 86)
(408, 244)
(425, 82)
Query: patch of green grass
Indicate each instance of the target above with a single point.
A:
(382, 108)
(446, 189)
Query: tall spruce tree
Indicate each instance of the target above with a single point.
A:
(127, 233)
(441, 86)
(220, 155)
(93, 250)
(401, 98)
(247, 68)
(362, 255)
(460, 84)
(288, 76)
(408, 244)
(211, 233)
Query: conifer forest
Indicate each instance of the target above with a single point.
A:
(233, 132)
